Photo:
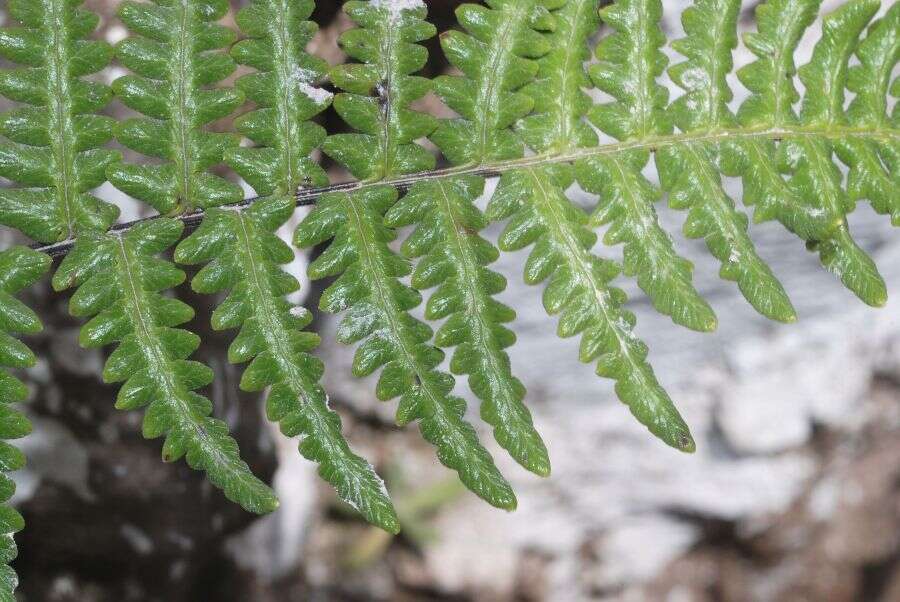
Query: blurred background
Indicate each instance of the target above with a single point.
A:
(793, 494)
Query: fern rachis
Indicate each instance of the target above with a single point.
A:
(523, 114)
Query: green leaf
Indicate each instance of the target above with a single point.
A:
(377, 306)
(53, 144)
(815, 178)
(242, 254)
(19, 268)
(454, 258)
(578, 290)
(173, 61)
(121, 283)
(874, 165)
(380, 90)
(495, 58)
(560, 103)
(689, 173)
(812, 203)
(626, 197)
(284, 90)
(770, 79)
(826, 73)
(626, 204)
(711, 36)
(629, 61)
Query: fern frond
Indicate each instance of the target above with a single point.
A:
(53, 149)
(378, 306)
(174, 58)
(19, 269)
(579, 291)
(523, 114)
(455, 260)
(689, 171)
(626, 196)
(386, 45)
(243, 255)
(120, 282)
(495, 59)
(283, 88)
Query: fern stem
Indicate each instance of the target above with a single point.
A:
(309, 196)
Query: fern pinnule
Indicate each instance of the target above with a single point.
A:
(444, 209)
(454, 258)
(895, 114)
(625, 203)
(578, 290)
(377, 305)
(19, 268)
(386, 45)
(284, 90)
(770, 78)
(53, 149)
(243, 255)
(174, 57)
(495, 57)
(541, 213)
(120, 283)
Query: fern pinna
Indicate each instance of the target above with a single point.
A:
(522, 97)
(174, 57)
(284, 89)
(53, 142)
(243, 255)
(19, 268)
(120, 280)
